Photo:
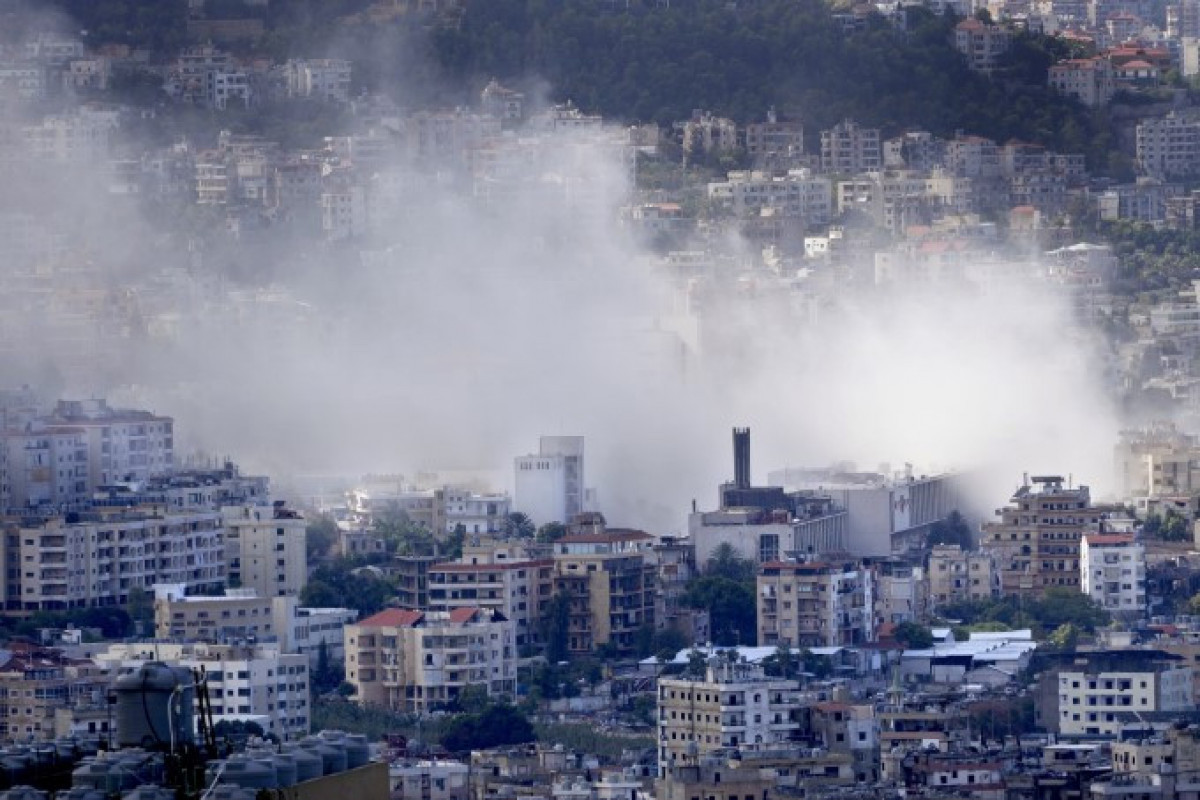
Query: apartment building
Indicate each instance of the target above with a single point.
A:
(1036, 542)
(254, 683)
(609, 580)
(1097, 700)
(957, 575)
(98, 557)
(518, 590)
(416, 661)
(122, 444)
(901, 590)
(265, 549)
(815, 604)
(323, 78)
(774, 141)
(550, 484)
(982, 44)
(733, 706)
(1088, 80)
(675, 567)
(849, 149)
(1161, 460)
(38, 683)
(1168, 146)
(799, 193)
(1113, 572)
(244, 615)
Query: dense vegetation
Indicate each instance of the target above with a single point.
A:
(646, 63)
(1059, 607)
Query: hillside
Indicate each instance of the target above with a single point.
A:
(645, 63)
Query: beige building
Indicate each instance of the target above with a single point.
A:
(1088, 80)
(849, 149)
(519, 590)
(416, 661)
(265, 549)
(957, 575)
(1036, 542)
(241, 615)
(981, 44)
(98, 557)
(815, 604)
(39, 684)
(734, 706)
(609, 578)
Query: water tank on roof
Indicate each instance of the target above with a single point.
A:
(148, 792)
(358, 750)
(249, 773)
(155, 707)
(23, 793)
(332, 753)
(308, 764)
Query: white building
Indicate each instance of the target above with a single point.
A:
(257, 683)
(798, 194)
(123, 444)
(428, 780)
(343, 213)
(1095, 703)
(1168, 146)
(1112, 571)
(224, 88)
(884, 513)
(550, 485)
(265, 549)
(733, 707)
(324, 78)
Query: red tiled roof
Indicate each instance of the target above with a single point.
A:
(393, 618)
(612, 535)
(1109, 538)
(831, 706)
(460, 615)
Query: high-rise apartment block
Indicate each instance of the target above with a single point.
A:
(608, 578)
(415, 661)
(733, 706)
(265, 549)
(1113, 572)
(1036, 542)
(957, 575)
(815, 604)
(550, 485)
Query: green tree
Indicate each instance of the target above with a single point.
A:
(730, 606)
(555, 627)
(726, 563)
(783, 663)
(519, 524)
(139, 604)
(914, 636)
(551, 532)
(498, 725)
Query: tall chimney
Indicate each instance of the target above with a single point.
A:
(741, 458)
